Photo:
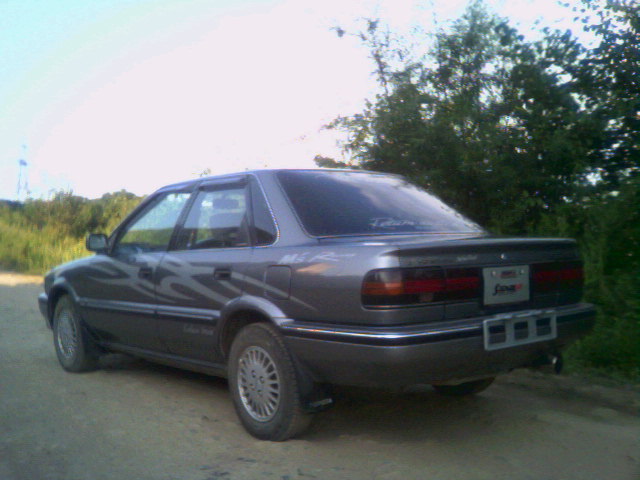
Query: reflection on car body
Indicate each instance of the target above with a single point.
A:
(289, 281)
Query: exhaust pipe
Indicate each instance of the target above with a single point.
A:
(550, 363)
(557, 363)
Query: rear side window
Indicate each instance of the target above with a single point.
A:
(264, 227)
(217, 219)
(332, 203)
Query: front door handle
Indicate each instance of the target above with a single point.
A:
(145, 273)
(223, 273)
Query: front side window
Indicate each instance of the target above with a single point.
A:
(151, 231)
(361, 203)
(217, 219)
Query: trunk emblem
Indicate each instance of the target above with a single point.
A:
(503, 256)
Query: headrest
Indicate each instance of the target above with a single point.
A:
(226, 204)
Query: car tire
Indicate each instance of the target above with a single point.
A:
(264, 385)
(466, 388)
(74, 349)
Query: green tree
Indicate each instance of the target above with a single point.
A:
(607, 79)
(484, 119)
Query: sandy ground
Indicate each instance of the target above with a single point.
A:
(135, 420)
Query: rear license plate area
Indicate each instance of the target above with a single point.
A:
(511, 330)
(503, 285)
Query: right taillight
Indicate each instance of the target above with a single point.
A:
(419, 286)
(557, 276)
(565, 280)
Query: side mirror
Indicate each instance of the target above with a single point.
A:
(97, 242)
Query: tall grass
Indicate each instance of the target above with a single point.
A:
(41, 234)
(32, 250)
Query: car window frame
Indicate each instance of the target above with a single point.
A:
(212, 185)
(142, 209)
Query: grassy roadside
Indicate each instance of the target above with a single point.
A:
(34, 251)
(40, 234)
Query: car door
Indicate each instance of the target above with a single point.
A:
(205, 269)
(120, 302)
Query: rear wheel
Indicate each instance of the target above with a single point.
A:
(466, 388)
(73, 348)
(264, 386)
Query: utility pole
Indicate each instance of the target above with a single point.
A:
(23, 179)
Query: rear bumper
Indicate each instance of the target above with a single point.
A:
(433, 353)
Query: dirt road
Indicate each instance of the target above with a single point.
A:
(133, 420)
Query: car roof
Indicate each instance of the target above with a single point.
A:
(259, 172)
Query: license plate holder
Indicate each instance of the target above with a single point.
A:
(514, 329)
(503, 285)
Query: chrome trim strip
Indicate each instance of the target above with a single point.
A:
(293, 327)
(204, 314)
(378, 336)
(119, 306)
(211, 316)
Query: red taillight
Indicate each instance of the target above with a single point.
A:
(557, 276)
(383, 282)
(418, 286)
(463, 283)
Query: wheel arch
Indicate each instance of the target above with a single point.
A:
(246, 310)
(241, 312)
(57, 291)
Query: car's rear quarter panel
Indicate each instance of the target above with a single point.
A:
(326, 276)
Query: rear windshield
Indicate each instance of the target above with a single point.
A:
(357, 203)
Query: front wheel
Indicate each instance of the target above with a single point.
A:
(264, 386)
(466, 388)
(73, 347)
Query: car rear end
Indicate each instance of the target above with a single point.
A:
(413, 305)
(488, 306)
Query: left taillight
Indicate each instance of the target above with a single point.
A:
(397, 287)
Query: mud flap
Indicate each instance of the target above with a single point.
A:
(314, 396)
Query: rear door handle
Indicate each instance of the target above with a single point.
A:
(145, 273)
(222, 273)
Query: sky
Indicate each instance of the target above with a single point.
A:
(102, 95)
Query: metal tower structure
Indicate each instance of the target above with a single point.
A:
(23, 175)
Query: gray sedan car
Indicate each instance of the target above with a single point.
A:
(290, 281)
